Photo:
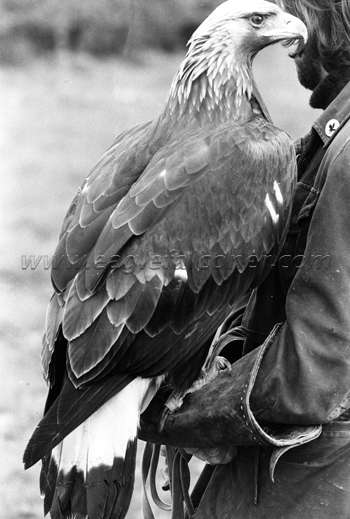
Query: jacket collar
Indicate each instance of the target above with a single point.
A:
(334, 117)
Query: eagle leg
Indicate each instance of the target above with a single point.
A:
(213, 365)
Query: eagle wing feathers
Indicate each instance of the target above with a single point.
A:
(166, 209)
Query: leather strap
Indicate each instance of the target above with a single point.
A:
(182, 507)
(147, 512)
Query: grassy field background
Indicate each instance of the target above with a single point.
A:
(57, 117)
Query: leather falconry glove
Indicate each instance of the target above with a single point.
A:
(219, 415)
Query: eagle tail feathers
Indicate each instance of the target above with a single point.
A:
(91, 472)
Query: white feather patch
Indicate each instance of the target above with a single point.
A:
(181, 271)
(274, 215)
(105, 434)
(278, 193)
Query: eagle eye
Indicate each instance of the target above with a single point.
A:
(257, 20)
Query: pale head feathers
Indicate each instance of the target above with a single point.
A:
(233, 10)
(217, 69)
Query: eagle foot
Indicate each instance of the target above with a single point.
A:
(176, 399)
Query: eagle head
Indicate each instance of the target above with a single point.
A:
(247, 26)
(216, 74)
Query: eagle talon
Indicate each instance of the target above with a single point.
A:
(221, 364)
(217, 366)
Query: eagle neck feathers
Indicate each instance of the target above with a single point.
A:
(212, 82)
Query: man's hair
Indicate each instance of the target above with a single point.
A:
(329, 21)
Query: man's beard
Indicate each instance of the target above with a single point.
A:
(309, 68)
(325, 87)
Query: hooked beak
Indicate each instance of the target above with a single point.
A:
(291, 31)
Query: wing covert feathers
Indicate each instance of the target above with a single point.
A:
(204, 198)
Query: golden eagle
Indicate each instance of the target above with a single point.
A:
(155, 252)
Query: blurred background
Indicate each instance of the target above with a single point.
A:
(73, 74)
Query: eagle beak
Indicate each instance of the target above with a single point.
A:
(290, 30)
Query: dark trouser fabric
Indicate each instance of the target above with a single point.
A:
(311, 482)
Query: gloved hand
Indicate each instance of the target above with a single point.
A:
(218, 417)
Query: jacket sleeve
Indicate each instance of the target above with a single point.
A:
(304, 377)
